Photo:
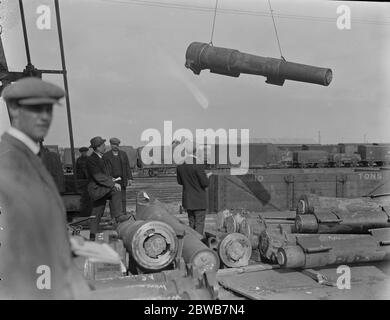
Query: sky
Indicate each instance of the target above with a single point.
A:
(125, 62)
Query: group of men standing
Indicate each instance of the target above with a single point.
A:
(103, 176)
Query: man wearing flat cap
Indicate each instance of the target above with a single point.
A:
(119, 167)
(102, 187)
(35, 253)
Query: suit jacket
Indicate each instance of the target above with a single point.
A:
(100, 182)
(126, 171)
(194, 181)
(34, 239)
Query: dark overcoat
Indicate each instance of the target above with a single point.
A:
(194, 181)
(35, 254)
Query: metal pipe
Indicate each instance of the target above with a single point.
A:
(232, 63)
(52, 71)
(58, 16)
(25, 32)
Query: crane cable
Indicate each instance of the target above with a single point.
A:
(215, 16)
(276, 31)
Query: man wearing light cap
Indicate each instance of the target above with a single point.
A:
(102, 187)
(35, 253)
(119, 167)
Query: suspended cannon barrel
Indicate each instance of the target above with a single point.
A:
(229, 62)
(152, 244)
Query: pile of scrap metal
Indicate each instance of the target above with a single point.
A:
(166, 259)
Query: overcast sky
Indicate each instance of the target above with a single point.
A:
(125, 62)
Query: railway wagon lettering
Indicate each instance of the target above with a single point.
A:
(370, 176)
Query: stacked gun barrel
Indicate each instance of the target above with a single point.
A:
(325, 231)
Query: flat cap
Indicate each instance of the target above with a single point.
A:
(33, 91)
(115, 141)
(96, 142)
(83, 149)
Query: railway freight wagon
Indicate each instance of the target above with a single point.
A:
(260, 155)
(348, 148)
(310, 158)
(155, 160)
(374, 154)
(263, 155)
(344, 159)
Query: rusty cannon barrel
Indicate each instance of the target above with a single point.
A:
(235, 250)
(194, 251)
(197, 254)
(230, 62)
(310, 203)
(152, 244)
(336, 221)
(271, 240)
(331, 249)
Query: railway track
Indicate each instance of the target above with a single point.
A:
(166, 189)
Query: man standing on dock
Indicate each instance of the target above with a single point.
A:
(194, 180)
(119, 167)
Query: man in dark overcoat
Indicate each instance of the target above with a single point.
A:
(119, 167)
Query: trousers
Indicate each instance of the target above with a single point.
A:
(123, 195)
(98, 206)
(196, 219)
